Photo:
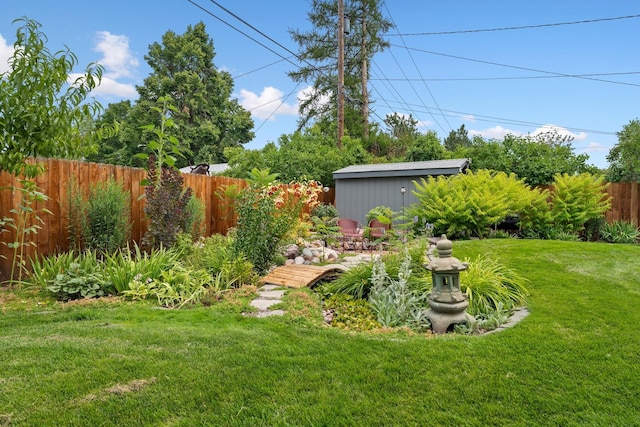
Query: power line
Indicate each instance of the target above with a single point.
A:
(419, 72)
(240, 31)
(515, 66)
(511, 78)
(261, 68)
(587, 21)
(485, 118)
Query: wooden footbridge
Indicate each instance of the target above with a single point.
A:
(299, 276)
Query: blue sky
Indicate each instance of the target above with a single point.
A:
(494, 82)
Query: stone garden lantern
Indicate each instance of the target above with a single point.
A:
(446, 301)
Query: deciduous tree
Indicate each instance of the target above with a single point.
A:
(624, 157)
(42, 112)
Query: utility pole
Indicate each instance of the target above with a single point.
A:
(365, 77)
(341, 31)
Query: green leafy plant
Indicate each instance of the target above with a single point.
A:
(82, 278)
(350, 313)
(216, 255)
(393, 302)
(384, 214)
(620, 232)
(576, 199)
(265, 216)
(489, 285)
(45, 269)
(468, 204)
(356, 281)
(102, 220)
(325, 210)
(194, 218)
(25, 223)
(493, 319)
(173, 288)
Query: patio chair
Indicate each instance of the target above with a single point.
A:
(350, 230)
(378, 229)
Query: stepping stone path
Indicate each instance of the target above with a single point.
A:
(268, 296)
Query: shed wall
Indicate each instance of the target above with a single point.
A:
(356, 197)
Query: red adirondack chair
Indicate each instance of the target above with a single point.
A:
(378, 229)
(350, 228)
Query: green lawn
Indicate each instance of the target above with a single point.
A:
(574, 361)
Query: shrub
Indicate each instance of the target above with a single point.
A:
(265, 215)
(194, 218)
(384, 214)
(102, 220)
(468, 204)
(166, 206)
(620, 232)
(577, 199)
(325, 210)
(357, 280)
(173, 288)
(215, 254)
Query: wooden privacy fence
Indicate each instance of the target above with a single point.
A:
(55, 183)
(219, 214)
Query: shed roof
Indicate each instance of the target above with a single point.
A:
(430, 167)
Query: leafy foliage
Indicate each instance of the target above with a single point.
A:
(77, 282)
(216, 255)
(42, 115)
(306, 155)
(25, 222)
(209, 119)
(620, 232)
(351, 313)
(624, 157)
(534, 159)
(576, 199)
(394, 304)
(172, 288)
(467, 204)
(490, 286)
(102, 220)
(265, 216)
(357, 280)
(166, 206)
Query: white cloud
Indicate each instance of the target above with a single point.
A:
(496, 132)
(594, 147)
(117, 58)
(307, 92)
(109, 87)
(468, 118)
(5, 53)
(268, 104)
(560, 131)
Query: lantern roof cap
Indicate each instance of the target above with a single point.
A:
(445, 262)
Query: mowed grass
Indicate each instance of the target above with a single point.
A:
(574, 361)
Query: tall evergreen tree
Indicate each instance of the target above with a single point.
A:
(319, 54)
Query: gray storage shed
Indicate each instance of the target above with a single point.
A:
(360, 188)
